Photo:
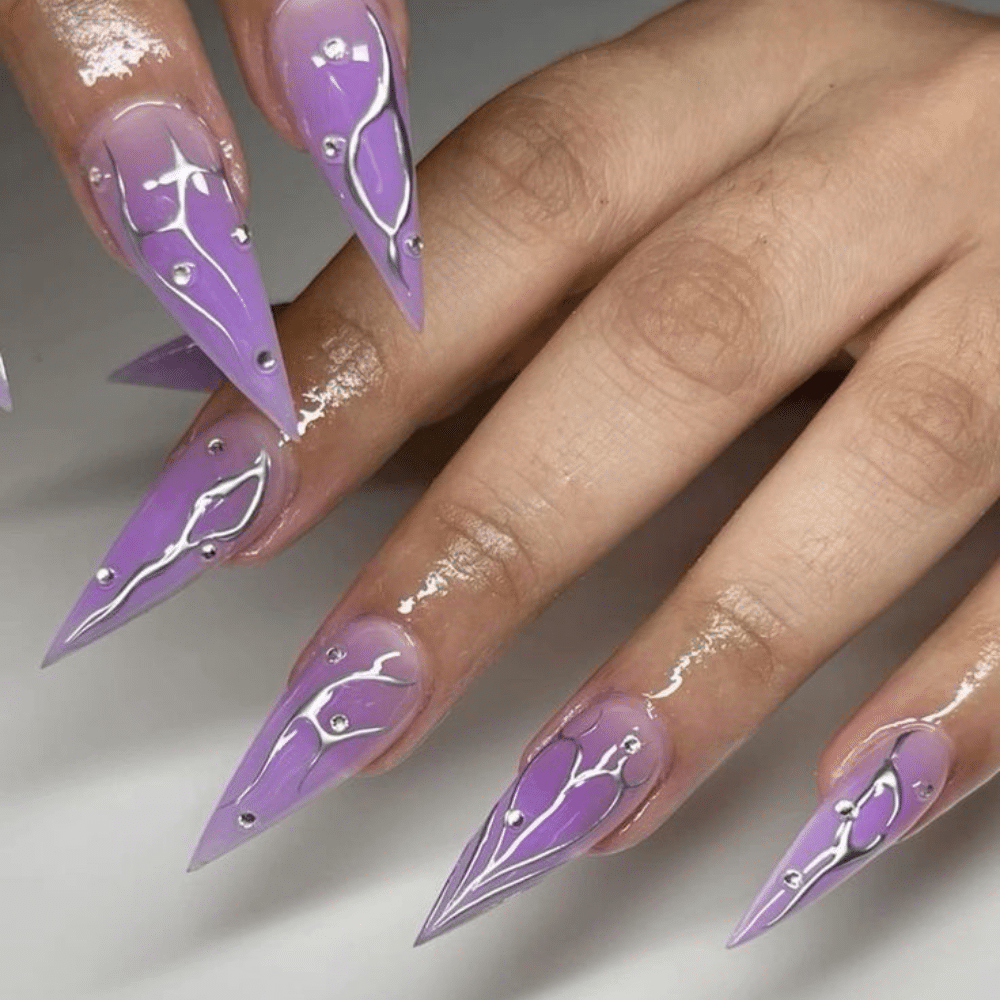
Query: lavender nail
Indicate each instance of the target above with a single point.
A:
(216, 496)
(577, 789)
(342, 74)
(5, 400)
(357, 694)
(157, 178)
(177, 364)
(870, 808)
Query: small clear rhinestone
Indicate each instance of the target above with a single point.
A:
(845, 808)
(242, 235)
(792, 878)
(513, 818)
(334, 146)
(924, 789)
(414, 246)
(335, 49)
(339, 724)
(631, 744)
(266, 361)
(209, 551)
(335, 654)
(96, 176)
(246, 820)
(182, 273)
(216, 446)
(105, 576)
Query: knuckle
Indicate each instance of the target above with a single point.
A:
(694, 313)
(530, 163)
(928, 433)
(484, 545)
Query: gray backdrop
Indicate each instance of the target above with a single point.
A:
(110, 762)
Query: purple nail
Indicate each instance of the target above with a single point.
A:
(356, 695)
(870, 808)
(5, 401)
(582, 785)
(177, 364)
(157, 178)
(215, 497)
(343, 77)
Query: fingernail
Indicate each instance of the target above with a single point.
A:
(883, 796)
(177, 364)
(342, 74)
(157, 177)
(582, 784)
(217, 495)
(5, 401)
(358, 692)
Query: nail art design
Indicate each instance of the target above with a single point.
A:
(342, 74)
(355, 697)
(220, 493)
(157, 178)
(577, 789)
(177, 364)
(869, 809)
(5, 400)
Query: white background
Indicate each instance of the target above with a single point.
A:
(111, 761)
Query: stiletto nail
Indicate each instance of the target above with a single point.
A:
(882, 797)
(157, 177)
(177, 364)
(342, 74)
(220, 493)
(356, 695)
(5, 400)
(578, 788)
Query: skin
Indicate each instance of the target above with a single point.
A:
(733, 192)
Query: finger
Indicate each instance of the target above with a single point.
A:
(519, 205)
(691, 336)
(329, 74)
(127, 101)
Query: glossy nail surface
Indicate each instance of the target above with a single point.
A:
(342, 75)
(177, 364)
(157, 178)
(869, 809)
(217, 495)
(5, 400)
(357, 693)
(578, 788)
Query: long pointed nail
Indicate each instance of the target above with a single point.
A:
(217, 495)
(882, 797)
(343, 78)
(577, 789)
(157, 177)
(5, 401)
(358, 692)
(177, 364)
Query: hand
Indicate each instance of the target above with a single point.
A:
(742, 189)
(127, 100)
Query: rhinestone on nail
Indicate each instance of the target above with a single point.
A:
(513, 818)
(266, 361)
(846, 808)
(209, 551)
(924, 789)
(792, 878)
(96, 176)
(339, 724)
(182, 273)
(334, 146)
(105, 576)
(631, 744)
(242, 235)
(335, 654)
(246, 820)
(414, 246)
(216, 446)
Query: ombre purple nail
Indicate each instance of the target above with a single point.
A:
(342, 74)
(882, 797)
(177, 364)
(582, 785)
(358, 692)
(5, 400)
(219, 494)
(157, 177)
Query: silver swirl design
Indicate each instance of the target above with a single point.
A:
(309, 711)
(494, 877)
(185, 542)
(843, 851)
(386, 99)
(181, 176)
